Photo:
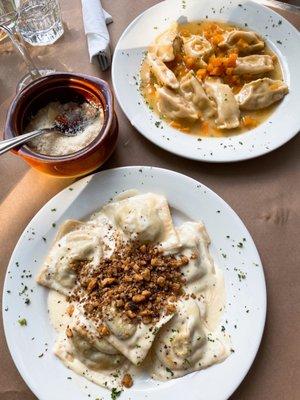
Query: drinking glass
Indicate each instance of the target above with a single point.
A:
(40, 21)
(8, 24)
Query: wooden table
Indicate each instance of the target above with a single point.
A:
(263, 191)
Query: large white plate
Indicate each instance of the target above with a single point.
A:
(246, 298)
(280, 35)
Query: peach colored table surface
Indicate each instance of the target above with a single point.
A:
(263, 191)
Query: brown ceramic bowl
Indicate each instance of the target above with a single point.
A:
(64, 87)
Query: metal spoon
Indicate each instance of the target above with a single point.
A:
(9, 144)
(66, 126)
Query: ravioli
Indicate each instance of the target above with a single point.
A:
(162, 73)
(227, 106)
(164, 43)
(261, 93)
(80, 356)
(185, 344)
(192, 91)
(74, 244)
(174, 106)
(254, 64)
(129, 339)
(246, 42)
(198, 47)
(144, 217)
(194, 244)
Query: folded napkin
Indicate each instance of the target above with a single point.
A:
(95, 20)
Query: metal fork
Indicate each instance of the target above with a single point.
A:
(104, 58)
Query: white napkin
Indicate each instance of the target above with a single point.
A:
(95, 20)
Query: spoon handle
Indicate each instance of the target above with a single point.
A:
(9, 144)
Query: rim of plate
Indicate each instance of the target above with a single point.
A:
(14, 352)
(186, 150)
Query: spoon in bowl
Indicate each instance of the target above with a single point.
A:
(65, 124)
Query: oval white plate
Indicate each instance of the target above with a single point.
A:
(245, 312)
(280, 35)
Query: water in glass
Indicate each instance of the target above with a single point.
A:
(40, 21)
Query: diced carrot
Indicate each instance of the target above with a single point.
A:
(175, 125)
(216, 62)
(216, 71)
(231, 61)
(249, 122)
(205, 127)
(229, 71)
(201, 73)
(216, 39)
(185, 129)
(189, 61)
(185, 32)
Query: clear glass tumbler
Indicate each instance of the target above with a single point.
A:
(40, 21)
(8, 26)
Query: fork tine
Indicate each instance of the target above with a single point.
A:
(103, 60)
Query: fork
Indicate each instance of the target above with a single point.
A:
(104, 59)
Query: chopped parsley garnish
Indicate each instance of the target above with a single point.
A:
(170, 371)
(53, 224)
(240, 244)
(22, 322)
(115, 393)
(186, 361)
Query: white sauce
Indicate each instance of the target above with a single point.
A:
(57, 306)
(55, 144)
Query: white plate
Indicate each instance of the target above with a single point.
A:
(246, 298)
(280, 35)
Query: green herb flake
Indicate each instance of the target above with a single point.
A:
(22, 322)
(186, 361)
(170, 371)
(115, 393)
(53, 224)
